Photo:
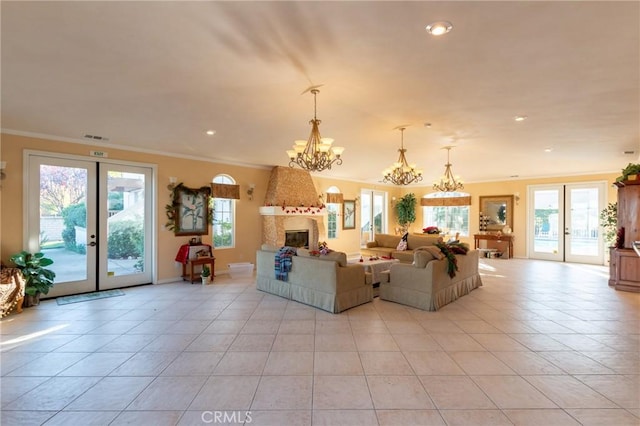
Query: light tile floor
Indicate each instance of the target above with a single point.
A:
(541, 343)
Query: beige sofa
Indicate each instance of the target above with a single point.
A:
(426, 285)
(326, 282)
(386, 244)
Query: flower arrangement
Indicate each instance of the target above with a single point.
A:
(431, 230)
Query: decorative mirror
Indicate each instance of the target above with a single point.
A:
(496, 213)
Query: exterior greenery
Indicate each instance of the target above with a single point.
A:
(74, 215)
(126, 240)
(37, 278)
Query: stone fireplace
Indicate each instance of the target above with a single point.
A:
(291, 204)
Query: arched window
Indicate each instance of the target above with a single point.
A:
(449, 211)
(224, 217)
(333, 210)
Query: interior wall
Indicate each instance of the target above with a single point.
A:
(476, 190)
(196, 173)
(191, 172)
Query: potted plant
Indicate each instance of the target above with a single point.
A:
(38, 279)
(406, 211)
(205, 275)
(631, 172)
(609, 222)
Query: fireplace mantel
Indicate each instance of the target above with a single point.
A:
(292, 211)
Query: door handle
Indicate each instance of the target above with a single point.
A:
(92, 243)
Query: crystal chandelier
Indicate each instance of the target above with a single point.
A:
(448, 182)
(401, 172)
(315, 154)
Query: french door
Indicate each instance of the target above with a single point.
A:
(564, 222)
(373, 214)
(93, 218)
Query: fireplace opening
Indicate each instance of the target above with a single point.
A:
(299, 238)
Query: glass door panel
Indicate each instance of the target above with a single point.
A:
(565, 222)
(373, 215)
(125, 221)
(584, 241)
(92, 249)
(61, 220)
(546, 214)
(366, 229)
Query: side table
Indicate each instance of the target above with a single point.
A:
(194, 262)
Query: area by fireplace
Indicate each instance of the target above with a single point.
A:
(297, 238)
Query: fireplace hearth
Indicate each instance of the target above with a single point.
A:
(297, 238)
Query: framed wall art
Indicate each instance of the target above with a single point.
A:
(349, 214)
(192, 211)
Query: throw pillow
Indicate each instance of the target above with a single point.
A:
(421, 258)
(435, 252)
(402, 245)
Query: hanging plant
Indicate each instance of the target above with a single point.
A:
(171, 210)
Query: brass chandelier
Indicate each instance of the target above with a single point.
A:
(315, 154)
(448, 182)
(401, 172)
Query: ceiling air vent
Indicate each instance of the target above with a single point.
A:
(96, 137)
(628, 152)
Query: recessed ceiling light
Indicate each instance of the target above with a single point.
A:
(439, 28)
(211, 132)
(548, 149)
(427, 125)
(520, 117)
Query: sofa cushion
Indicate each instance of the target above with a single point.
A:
(336, 256)
(414, 241)
(388, 240)
(403, 256)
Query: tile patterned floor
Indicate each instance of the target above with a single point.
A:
(541, 343)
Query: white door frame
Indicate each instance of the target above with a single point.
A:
(564, 222)
(31, 218)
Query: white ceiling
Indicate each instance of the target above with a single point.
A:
(156, 75)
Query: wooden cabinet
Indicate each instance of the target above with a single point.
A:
(624, 268)
(629, 210)
(502, 242)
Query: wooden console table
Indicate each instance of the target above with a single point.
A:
(194, 262)
(191, 256)
(504, 238)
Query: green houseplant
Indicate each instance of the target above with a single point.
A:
(205, 275)
(38, 279)
(609, 222)
(631, 172)
(406, 211)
